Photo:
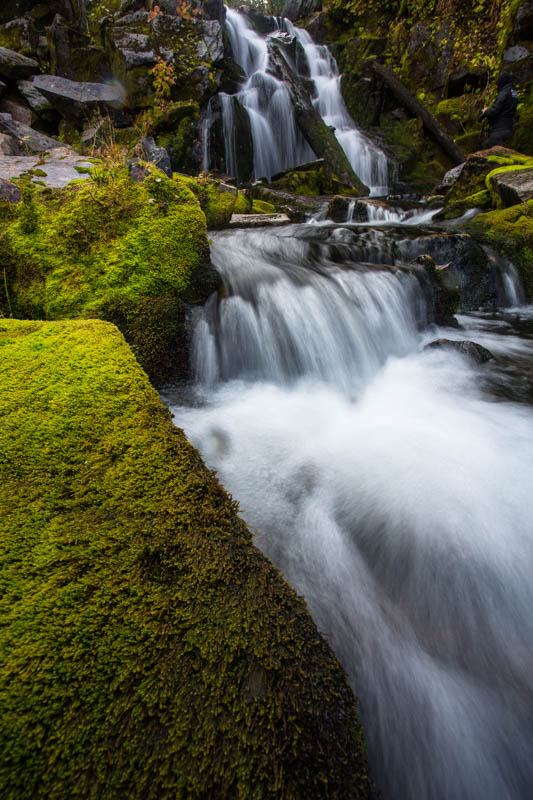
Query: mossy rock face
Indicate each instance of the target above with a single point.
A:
(312, 182)
(510, 231)
(216, 199)
(149, 650)
(134, 253)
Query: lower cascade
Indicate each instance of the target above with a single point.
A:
(390, 483)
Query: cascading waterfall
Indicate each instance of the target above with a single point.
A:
(368, 161)
(277, 141)
(392, 492)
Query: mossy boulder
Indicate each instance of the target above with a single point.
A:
(134, 253)
(314, 181)
(510, 231)
(149, 650)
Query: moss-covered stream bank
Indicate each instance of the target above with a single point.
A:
(148, 649)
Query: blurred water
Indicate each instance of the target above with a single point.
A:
(392, 487)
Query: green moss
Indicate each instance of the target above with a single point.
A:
(216, 200)
(511, 232)
(243, 204)
(149, 651)
(480, 199)
(311, 182)
(262, 207)
(111, 248)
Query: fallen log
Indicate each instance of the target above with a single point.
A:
(402, 93)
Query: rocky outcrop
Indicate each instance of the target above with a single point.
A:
(28, 139)
(514, 186)
(15, 66)
(298, 9)
(75, 100)
(157, 155)
(55, 169)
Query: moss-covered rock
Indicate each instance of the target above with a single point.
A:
(315, 181)
(262, 207)
(149, 651)
(510, 231)
(134, 253)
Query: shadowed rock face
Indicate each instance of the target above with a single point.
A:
(513, 187)
(75, 99)
(15, 66)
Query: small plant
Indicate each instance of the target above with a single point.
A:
(163, 78)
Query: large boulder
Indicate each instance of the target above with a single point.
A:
(298, 9)
(149, 650)
(15, 66)
(76, 100)
(39, 104)
(514, 186)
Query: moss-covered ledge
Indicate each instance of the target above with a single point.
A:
(149, 650)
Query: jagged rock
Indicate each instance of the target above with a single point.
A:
(28, 139)
(76, 100)
(450, 178)
(8, 145)
(72, 55)
(513, 187)
(157, 155)
(15, 67)
(38, 103)
(19, 110)
(297, 9)
(9, 193)
(259, 21)
(338, 209)
(473, 350)
(211, 41)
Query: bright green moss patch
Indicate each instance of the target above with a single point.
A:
(114, 249)
(312, 182)
(149, 651)
(511, 231)
(262, 207)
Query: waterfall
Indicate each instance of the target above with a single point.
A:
(368, 161)
(390, 488)
(277, 141)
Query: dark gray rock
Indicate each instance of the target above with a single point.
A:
(76, 100)
(450, 178)
(258, 21)
(472, 350)
(515, 186)
(464, 77)
(19, 110)
(523, 24)
(9, 193)
(138, 172)
(298, 9)
(8, 145)
(516, 53)
(14, 66)
(3, 87)
(28, 139)
(23, 35)
(38, 103)
(157, 155)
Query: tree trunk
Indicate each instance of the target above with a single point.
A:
(387, 76)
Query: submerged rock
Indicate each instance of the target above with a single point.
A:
(467, 348)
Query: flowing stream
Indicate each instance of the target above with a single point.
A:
(391, 484)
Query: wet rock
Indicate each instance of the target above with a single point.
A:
(9, 193)
(298, 9)
(28, 139)
(472, 350)
(75, 100)
(157, 155)
(339, 206)
(15, 66)
(243, 138)
(513, 187)
(260, 22)
(445, 299)
(450, 178)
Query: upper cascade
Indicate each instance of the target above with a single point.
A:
(278, 143)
